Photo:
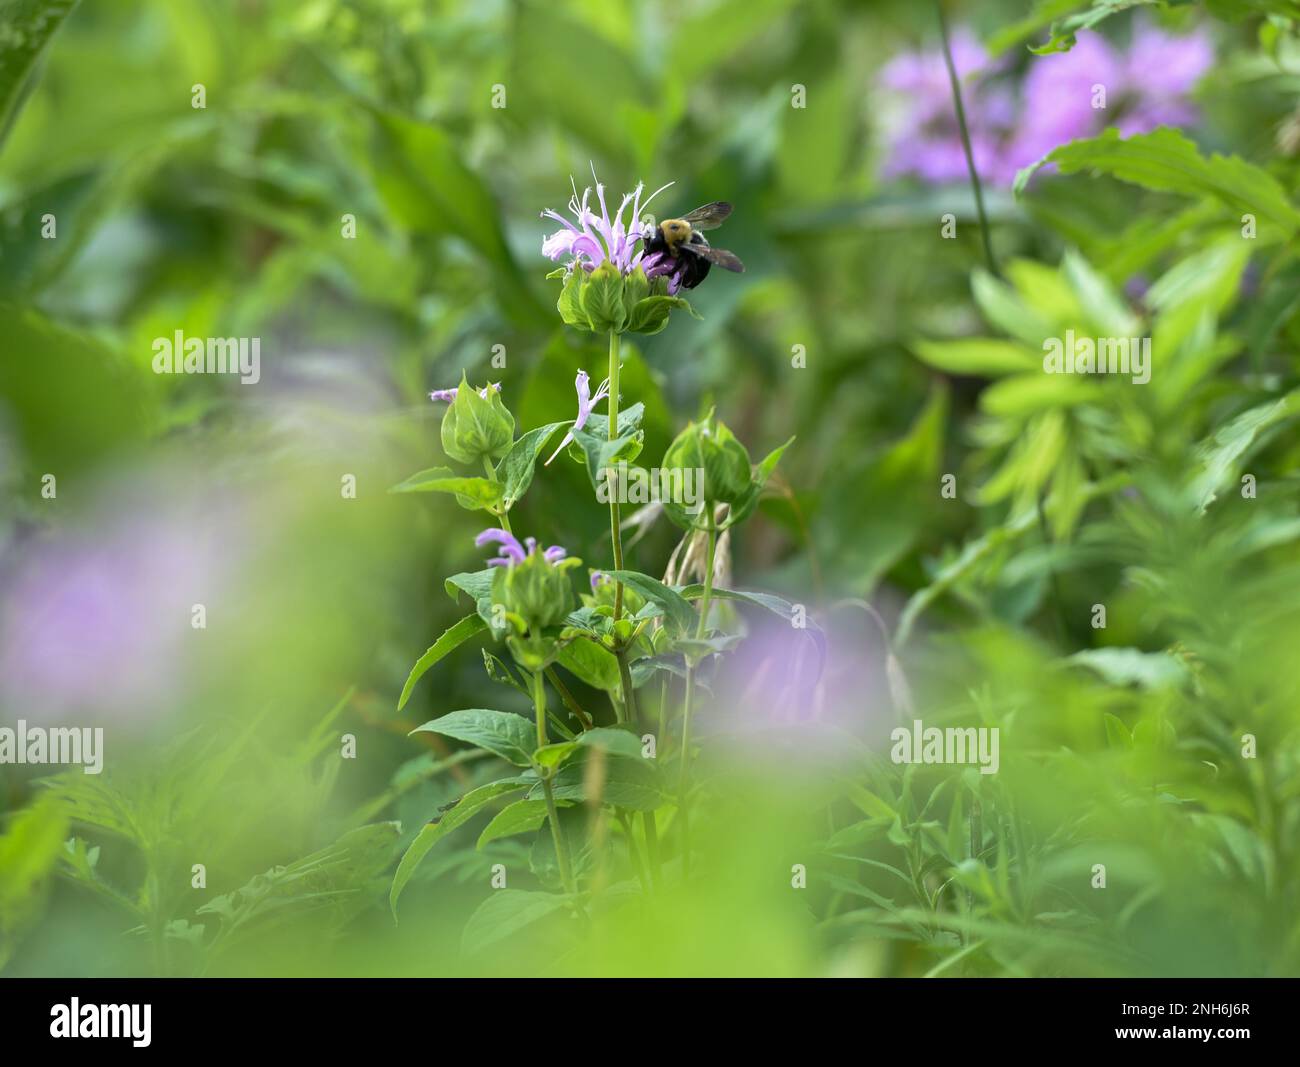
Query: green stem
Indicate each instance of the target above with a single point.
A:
(561, 847)
(965, 140)
(629, 694)
(708, 577)
(652, 847)
(615, 526)
(567, 698)
(501, 514)
(700, 628)
(634, 853)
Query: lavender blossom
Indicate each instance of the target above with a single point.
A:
(449, 395)
(512, 551)
(1147, 85)
(598, 239)
(96, 622)
(585, 403)
(926, 139)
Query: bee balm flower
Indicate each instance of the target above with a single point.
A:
(512, 551)
(597, 239)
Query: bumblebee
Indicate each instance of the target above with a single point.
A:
(681, 240)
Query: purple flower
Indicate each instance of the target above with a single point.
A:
(1146, 85)
(1057, 99)
(512, 551)
(450, 394)
(585, 403)
(597, 239)
(598, 578)
(98, 621)
(657, 263)
(926, 140)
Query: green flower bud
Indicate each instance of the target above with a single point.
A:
(711, 447)
(538, 591)
(476, 426)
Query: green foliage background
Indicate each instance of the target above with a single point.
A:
(1120, 746)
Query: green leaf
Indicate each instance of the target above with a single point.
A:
(1166, 161)
(28, 27)
(453, 637)
(1062, 37)
(628, 783)
(614, 740)
(431, 833)
(569, 303)
(554, 755)
(478, 584)
(1218, 456)
(510, 736)
(743, 507)
(1117, 734)
(521, 817)
(29, 850)
(516, 468)
(602, 454)
(333, 881)
(504, 914)
(1131, 666)
(477, 492)
(681, 614)
(602, 300)
(629, 421)
(650, 315)
(593, 664)
(978, 356)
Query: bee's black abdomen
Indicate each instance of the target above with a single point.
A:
(696, 270)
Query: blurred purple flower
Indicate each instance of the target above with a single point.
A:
(926, 141)
(449, 395)
(98, 623)
(1147, 85)
(512, 551)
(585, 403)
(597, 239)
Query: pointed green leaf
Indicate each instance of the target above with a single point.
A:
(453, 637)
(510, 736)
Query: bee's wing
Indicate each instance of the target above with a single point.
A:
(719, 257)
(710, 216)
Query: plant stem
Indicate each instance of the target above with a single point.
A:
(965, 140)
(616, 535)
(561, 847)
(634, 853)
(629, 694)
(615, 526)
(652, 846)
(708, 578)
(700, 628)
(502, 514)
(567, 698)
